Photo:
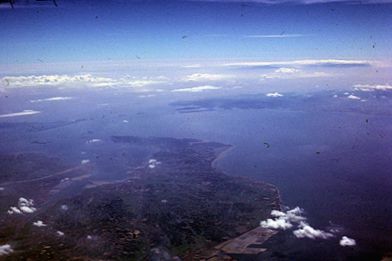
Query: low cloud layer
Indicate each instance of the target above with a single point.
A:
(198, 88)
(274, 94)
(79, 80)
(18, 114)
(293, 73)
(52, 99)
(302, 63)
(201, 77)
(373, 87)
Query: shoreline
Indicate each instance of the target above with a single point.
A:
(222, 153)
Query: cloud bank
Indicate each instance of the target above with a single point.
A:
(52, 99)
(17, 114)
(79, 80)
(200, 77)
(373, 87)
(320, 62)
(198, 88)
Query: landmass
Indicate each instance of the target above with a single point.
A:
(175, 205)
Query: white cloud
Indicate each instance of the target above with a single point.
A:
(17, 114)
(152, 163)
(294, 218)
(78, 81)
(52, 99)
(306, 231)
(346, 241)
(283, 220)
(192, 66)
(353, 97)
(279, 223)
(320, 62)
(24, 206)
(285, 73)
(200, 77)
(94, 141)
(274, 94)
(5, 249)
(372, 87)
(59, 233)
(286, 70)
(85, 161)
(39, 223)
(198, 88)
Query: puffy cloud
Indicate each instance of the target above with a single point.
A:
(372, 87)
(291, 218)
(274, 94)
(17, 114)
(198, 88)
(77, 81)
(152, 163)
(5, 249)
(346, 241)
(353, 97)
(306, 231)
(24, 206)
(201, 77)
(283, 220)
(39, 223)
(52, 99)
(279, 223)
(85, 161)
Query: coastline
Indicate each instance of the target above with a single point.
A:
(223, 152)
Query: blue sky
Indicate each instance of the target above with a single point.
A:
(178, 30)
(197, 46)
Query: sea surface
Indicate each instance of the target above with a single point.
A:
(330, 156)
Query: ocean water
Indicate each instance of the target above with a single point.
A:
(334, 162)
